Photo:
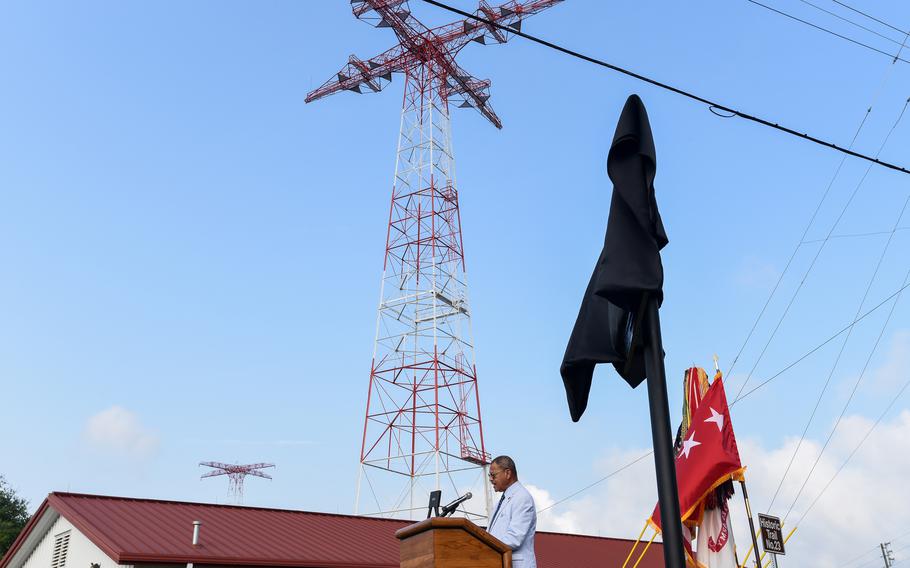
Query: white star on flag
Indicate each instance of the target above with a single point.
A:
(717, 418)
(689, 444)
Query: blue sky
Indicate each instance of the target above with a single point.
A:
(191, 255)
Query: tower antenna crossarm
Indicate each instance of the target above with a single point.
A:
(435, 47)
(236, 474)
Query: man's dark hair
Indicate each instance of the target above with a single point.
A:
(505, 462)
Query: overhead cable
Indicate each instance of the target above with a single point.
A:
(714, 106)
(894, 57)
(851, 22)
(855, 235)
(858, 309)
(821, 248)
(762, 384)
(886, 76)
(796, 248)
(711, 104)
(882, 22)
(860, 557)
(822, 344)
(601, 480)
(859, 379)
(853, 452)
(875, 548)
(837, 359)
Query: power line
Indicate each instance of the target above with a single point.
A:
(821, 394)
(846, 340)
(765, 382)
(822, 344)
(862, 373)
(818, 253)
(871, 550)
(886, 76)
(712, 105)
(802, 239)
(851, 22)
(882, 22)
(601, 480)
(860, 557)
(853, 453)
(858, 310)
(878, 420)
(855, 235)
(895, 57)
(875, 559)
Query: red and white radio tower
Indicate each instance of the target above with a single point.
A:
(423, 429)
(236, 474)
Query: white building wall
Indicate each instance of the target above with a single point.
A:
(82, 552)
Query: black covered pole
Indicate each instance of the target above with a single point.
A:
(751, 525)
(664, 458)
(618, 321)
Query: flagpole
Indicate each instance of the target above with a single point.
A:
(647, 546)
(664, 459)
(742, 483)
(634, 546)
(751, 548)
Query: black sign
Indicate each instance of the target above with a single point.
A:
(435, 497)
(771, 538)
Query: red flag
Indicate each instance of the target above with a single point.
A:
(707, 456)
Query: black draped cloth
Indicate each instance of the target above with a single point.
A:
(628, 270)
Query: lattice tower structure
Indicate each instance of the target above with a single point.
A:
(236, 473)
(423, 428)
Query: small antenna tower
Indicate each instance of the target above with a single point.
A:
(236, 474)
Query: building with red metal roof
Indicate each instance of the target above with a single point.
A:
(72, 530)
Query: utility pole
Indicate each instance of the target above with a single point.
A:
(887, 554)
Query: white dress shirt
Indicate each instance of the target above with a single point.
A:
(514, 523)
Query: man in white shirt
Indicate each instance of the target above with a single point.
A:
(514, 520)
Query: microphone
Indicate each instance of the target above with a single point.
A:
(451, 507)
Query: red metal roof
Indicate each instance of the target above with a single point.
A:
(144, 530)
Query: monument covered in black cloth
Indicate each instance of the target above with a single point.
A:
(619, 321)
(628, 269)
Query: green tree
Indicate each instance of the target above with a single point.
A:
(13, 515)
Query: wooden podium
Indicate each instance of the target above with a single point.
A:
(451, 543)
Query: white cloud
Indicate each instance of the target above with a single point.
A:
(118, 431)
(866, 504)
(893, 371)
(754, 272)
(617, 507)
(238, 442)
